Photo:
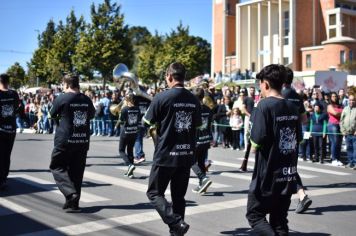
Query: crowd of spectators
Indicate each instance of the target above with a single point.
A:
(324, 131)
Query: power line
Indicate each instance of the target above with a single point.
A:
(14, 51)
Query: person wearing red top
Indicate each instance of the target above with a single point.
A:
(334, 111)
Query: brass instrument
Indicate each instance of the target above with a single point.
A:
(122, 76)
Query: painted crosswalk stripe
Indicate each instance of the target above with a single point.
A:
(320, 170)
(237, 166)
(47, 185)
(129, 184)
(147, 172)
(105, 224)
(8, 207)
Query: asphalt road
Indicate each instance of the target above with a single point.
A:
(115, 205)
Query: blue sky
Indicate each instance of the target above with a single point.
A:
(21, 20)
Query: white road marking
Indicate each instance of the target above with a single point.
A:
(195, 182)
(94, 226)
(8, 207)
(237, 166)
(44, 184)
(316, 169)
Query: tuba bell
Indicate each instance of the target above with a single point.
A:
(122, 77)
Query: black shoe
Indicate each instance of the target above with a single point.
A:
(72, 203)
(179, 229)
(205, 183)
(130, 170)
(303, 205)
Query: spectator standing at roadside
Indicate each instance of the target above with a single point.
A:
(348, 128)
(334, 111)
(318, 124)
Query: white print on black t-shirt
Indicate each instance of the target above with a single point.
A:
(7, 110)
(183, 121)
(204, 124)
(132, 119)
(80, 118)
(142, 109)
(288, 140)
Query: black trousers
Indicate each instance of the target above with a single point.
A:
(127, 143)
(160, 177)
(235, 139)
(6, 144)
(199, 165)
(67, 167)
(277, 208)
(319, 144)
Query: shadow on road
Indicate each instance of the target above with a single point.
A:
(138, 206)
(335, 208)
(248, 231)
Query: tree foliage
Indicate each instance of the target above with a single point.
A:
(17, 75)
(193, 52)
(97, 46)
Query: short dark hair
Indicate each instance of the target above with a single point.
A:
(4, 79)
(199, 93)
(274, 74)
(289, 76)
(177, 70)
(71, 80)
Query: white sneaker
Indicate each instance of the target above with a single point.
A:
(339, 163)
(334, 163)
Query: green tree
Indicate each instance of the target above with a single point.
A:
(193, 52)
(146, 58)
(64, 46)
(111, 44)
(349, 66)
(17, 75)
(38, 65)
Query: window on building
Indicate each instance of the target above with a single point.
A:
(308, 61)
(342, 57)
(332, 19)
(351, 55)
(332, 33)
(286, 27)
(285, 60)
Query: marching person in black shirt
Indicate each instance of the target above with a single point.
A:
(275, 134)
(143, 104)
(72, 111)
(292, 96)
(9, 105)
(176, 113)
(129, 120)
(202, 145)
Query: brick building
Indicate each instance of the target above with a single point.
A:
(307, 35)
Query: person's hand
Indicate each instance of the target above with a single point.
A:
(253, 149)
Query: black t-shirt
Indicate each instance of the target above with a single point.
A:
(276, 133)
(292, 96)
(130, 119)
(249, 103)
(74, 111)
(9, 105)
(204, 131)
(143, 104)
(177, 114)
